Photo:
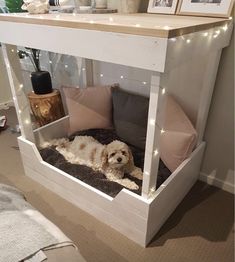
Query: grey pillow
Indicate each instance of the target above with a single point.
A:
(130, 117)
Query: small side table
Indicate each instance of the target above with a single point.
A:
(46, 108)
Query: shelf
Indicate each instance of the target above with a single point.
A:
(164, 26)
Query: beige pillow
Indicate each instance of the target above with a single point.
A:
(179, 138)
(89, 107)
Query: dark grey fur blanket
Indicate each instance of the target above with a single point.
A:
(97, 179)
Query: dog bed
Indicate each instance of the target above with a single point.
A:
(97, 179)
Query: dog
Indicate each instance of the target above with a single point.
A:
(113, 160)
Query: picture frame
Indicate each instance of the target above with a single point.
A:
(162, 6)
(214, 8)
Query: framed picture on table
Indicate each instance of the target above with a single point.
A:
(216, 8)
(162, 6)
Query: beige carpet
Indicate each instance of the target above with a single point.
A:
(200, 230)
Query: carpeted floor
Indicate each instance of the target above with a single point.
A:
(201, 229)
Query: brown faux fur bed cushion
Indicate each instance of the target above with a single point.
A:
(97, 179)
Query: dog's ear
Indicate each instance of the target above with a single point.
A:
(130, 163)
(104, 158)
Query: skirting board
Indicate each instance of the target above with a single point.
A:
(211, 180)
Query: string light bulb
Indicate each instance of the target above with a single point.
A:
(206, 34)
(166, 27)
(27, 121)
(101, 75)
(163, 91)
(162, 131)
(225, 28)
(188, 41)
(146, 173)
(121, 77)
(155, 152)
(152, 122)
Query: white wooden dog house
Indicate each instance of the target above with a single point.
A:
(174, 50)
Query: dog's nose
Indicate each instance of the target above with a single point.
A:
(119, 159)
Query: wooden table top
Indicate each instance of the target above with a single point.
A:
(155, 25)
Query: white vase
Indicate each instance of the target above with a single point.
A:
(128, 6)
(113, 4)
(101, 4)
(82, 2)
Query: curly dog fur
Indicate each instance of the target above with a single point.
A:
(113, 160)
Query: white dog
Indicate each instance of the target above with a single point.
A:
(113, 160)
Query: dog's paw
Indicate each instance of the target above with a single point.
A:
(137, 173)
(133, 186)
(129, 184)
(44, 145)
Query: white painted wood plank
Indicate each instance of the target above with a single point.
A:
(197, 44)
(131, 50)
(16, 83)
(56, 129)
(154, 130)
(132, 202)
(207, 92)
(94, 210)
(172, 191)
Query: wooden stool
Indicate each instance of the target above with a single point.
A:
(46, 108)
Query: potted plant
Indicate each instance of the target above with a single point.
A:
(41, 80)
(14, 6)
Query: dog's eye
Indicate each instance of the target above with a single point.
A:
(124, 153)
(113, 154)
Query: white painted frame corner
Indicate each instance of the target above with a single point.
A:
(221, 8)
(152, 8)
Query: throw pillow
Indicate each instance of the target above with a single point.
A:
(89, 107)
(179, 138)
(130, 117)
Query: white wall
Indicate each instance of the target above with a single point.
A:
(218, 164)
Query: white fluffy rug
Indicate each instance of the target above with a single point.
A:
(24, 232)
